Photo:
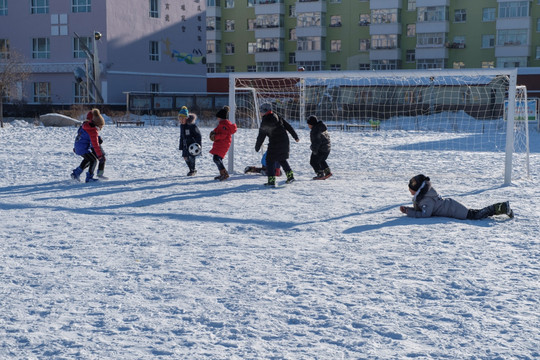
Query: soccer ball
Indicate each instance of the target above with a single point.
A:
(194, 149)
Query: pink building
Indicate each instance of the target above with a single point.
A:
(142, 45)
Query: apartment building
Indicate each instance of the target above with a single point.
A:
(282, 35)
(135, 45)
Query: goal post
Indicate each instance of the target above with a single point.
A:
(466, 104)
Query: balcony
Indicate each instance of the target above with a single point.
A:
(454, 45)
(311, 6)
(270, 8)
(385, 4)
(313, 55)
(423, 3)
(270, 55)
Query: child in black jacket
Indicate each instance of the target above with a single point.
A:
(320, 148)
(189, 135)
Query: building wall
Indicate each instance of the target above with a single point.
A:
(123, 50)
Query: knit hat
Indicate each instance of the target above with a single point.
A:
(223, 113)
(417, 181)
(183, 111)
(265, 107)
(312, 120)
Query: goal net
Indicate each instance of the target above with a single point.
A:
(456, 111)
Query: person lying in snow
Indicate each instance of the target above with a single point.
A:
(262, 170)
(427, 202)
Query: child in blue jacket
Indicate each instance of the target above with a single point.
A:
(87, 145)
(189, 134)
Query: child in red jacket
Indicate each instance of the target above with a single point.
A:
(222, 138)
(88, 146)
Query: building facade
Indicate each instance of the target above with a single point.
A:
(283, 35)
(135, 45)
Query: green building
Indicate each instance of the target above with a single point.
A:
(284, 35)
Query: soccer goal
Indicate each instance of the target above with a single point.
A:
(437, 110)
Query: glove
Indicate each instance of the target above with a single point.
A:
(212, 135)
(100, 140)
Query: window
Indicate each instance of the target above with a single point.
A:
(229, 4)
(511, 62)
(251, 3)
(41, 48)
(411, 30)
(213, 3)
(335, 1)
(213, 23)
(488, 14)
(458, 65)
(3, 7)
(335, 45)
(488, 41)
(154, 8)
(229, 25)
(4, 49)
(365, 20)
(268, 44)
(460, 15)
(292, 58)
(410, 56)
(385, 64)
(292, 34)
(430, 64)
(229, 69)
(213, 46)
(154, 51)
(364, 66)
(268, 66)
(78, 47)
(430, 40)
(335, 67)
(411, 5)
(309, 19)
(513, 9)
(432, 14)
(267, 21)
(81, 6)
(384, 41)
(252, 47)
(488, 64)
(213, 68)
(309, 43)
(42, 92)
(365, 44)
(335, 21)
(155, 87)
(537, 57)
(292, 11)
(537, 25)
(39, 6)
(384, 16)
(252, 68)
(512, 37)
(80, 93)
(251, 24)
(229, 48)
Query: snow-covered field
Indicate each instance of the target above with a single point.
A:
(155, 265)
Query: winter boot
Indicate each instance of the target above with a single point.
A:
(250, 169)
(319, 176)
(101, 176)
(290, 177)
(503, 209)
(76, 174)
(223, 175)
(271, 181)
(192, 173)
(327, 173)
(90, 177)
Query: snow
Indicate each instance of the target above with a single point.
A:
(154, 264)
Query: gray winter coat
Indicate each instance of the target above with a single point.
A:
(430, 203)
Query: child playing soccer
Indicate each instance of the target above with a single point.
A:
(87, 145)
(189, 134)
(320, 148)
(222, 138)
(427, 202)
